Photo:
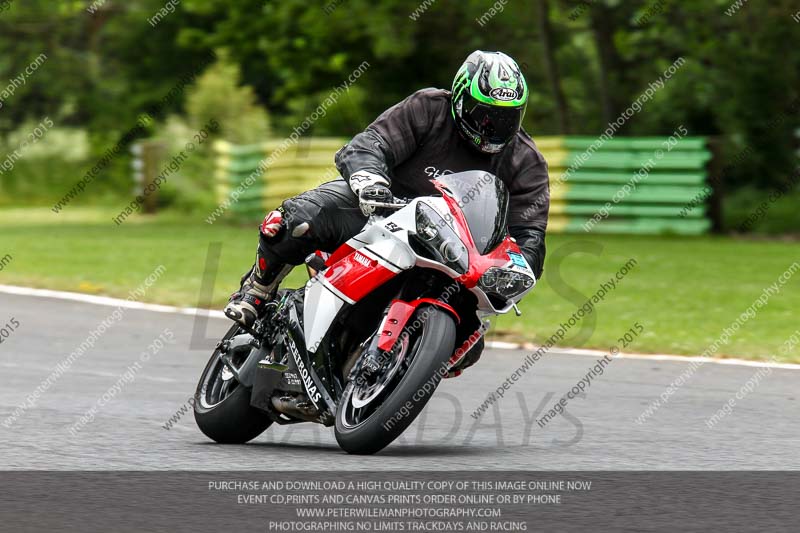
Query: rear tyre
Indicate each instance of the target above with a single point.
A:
(367, 429)
(222, 407)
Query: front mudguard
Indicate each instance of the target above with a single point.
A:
(400, 313)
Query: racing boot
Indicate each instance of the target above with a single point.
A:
(258, 288)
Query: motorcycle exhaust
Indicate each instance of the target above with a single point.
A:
(296, 406)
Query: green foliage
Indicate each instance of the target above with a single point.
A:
(740, 80)
(754, 210)
(218, 96)
(38, 168)
(346, 117)
(189, 188)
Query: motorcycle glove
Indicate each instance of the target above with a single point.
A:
(531, 244)
(374, 192)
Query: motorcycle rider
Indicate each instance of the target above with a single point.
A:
(475, 126)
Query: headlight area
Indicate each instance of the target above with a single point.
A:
(504, 284)
(436, 240)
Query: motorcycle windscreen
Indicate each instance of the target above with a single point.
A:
(484, 200)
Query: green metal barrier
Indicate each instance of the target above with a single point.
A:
(288, 169)
(631, 185)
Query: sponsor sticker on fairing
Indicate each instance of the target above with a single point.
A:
(518, 260)
(310, 386)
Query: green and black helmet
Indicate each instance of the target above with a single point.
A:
(489, 99)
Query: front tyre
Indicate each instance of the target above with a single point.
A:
(222, 407)
(369, 418)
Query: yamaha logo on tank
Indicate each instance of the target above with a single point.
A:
(503, 93)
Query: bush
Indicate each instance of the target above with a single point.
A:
(762, 211)
(217, 107)
(218, 95)
(40, 172)
(347, 115)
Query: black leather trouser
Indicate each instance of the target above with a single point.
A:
(333, 215)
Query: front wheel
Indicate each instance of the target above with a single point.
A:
(376, 407)
(222, 407)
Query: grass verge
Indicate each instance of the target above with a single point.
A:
(683, 291)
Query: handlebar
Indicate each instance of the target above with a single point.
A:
(399, 203)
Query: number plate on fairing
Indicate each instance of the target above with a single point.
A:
(517, 260)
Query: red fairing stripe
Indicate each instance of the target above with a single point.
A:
(398, 316)
(339, 254)
(357, 275)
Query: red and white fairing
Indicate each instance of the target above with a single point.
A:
(382, 251)
(358, 267)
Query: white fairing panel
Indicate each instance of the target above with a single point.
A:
(320, 307)
(384, 240)
(390, 249)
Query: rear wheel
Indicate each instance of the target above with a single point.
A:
(378, 405)
(222, 407)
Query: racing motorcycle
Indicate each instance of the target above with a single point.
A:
(364, 344)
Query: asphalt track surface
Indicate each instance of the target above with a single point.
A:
(599, 431)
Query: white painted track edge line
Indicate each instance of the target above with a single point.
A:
(497, 345)
(108, 301)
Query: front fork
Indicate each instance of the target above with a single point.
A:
(396, 319)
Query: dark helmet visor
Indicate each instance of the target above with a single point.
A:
(495, 124)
